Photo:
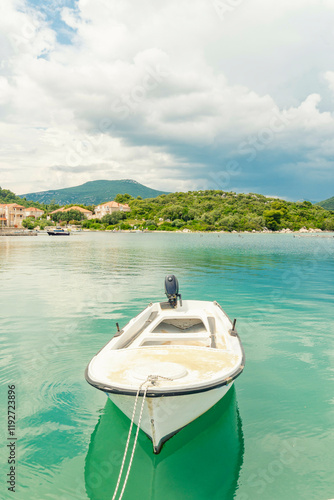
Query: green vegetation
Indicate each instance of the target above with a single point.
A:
(31, 223)
(94, 192)
(71, 215)
(125, 198)
(210, 210)
(7, 196)
(113, 218)
(214, 210)
(28, 223)
(327, 204)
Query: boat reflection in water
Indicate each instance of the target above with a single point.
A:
(202, 461)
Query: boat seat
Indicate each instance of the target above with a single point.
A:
(176, 336)
(164, 338)
(212, 326)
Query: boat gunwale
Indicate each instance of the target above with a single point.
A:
(169, 392)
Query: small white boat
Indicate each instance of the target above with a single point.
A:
(177, 358)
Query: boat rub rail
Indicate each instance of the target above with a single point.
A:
(156, 394)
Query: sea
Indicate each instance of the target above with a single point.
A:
(271, 437)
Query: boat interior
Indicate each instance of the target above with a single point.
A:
(195, 337)
(188, 343)
(168, 329)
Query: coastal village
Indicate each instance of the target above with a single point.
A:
(12, 215)
(192, 211)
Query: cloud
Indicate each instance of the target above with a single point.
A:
(168, 93)
(329, 76)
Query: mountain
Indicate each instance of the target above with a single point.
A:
(328, 204)
(93, 192)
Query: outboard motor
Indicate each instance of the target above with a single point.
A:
(172, 290)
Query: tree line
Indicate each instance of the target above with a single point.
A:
(209, 210)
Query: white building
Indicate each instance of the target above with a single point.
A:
(108, 208)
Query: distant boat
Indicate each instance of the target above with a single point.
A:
(178, 358)
(59, 231)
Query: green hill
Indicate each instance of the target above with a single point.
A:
(93, 192)
(327, 204)
(213, 210)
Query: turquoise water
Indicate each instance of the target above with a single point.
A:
(270, 438)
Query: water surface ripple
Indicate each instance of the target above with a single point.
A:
(271, 438)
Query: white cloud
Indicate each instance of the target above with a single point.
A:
(329, 76)
(163, 92)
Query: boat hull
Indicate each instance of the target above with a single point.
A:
(166, 415)
(53, 233)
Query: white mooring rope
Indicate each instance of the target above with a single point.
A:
(134, 444)
(128, 440)
(151, 379)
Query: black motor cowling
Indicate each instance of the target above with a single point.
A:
(172, 290)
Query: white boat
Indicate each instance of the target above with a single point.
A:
(177, 358)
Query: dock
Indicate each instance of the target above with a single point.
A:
(7, 232)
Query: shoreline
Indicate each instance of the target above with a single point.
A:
(300, 233)
(237, 233)
(315, 232)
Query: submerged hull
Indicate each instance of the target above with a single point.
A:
(165, 416)
(186, 467)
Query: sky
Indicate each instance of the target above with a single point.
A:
(178, 95)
